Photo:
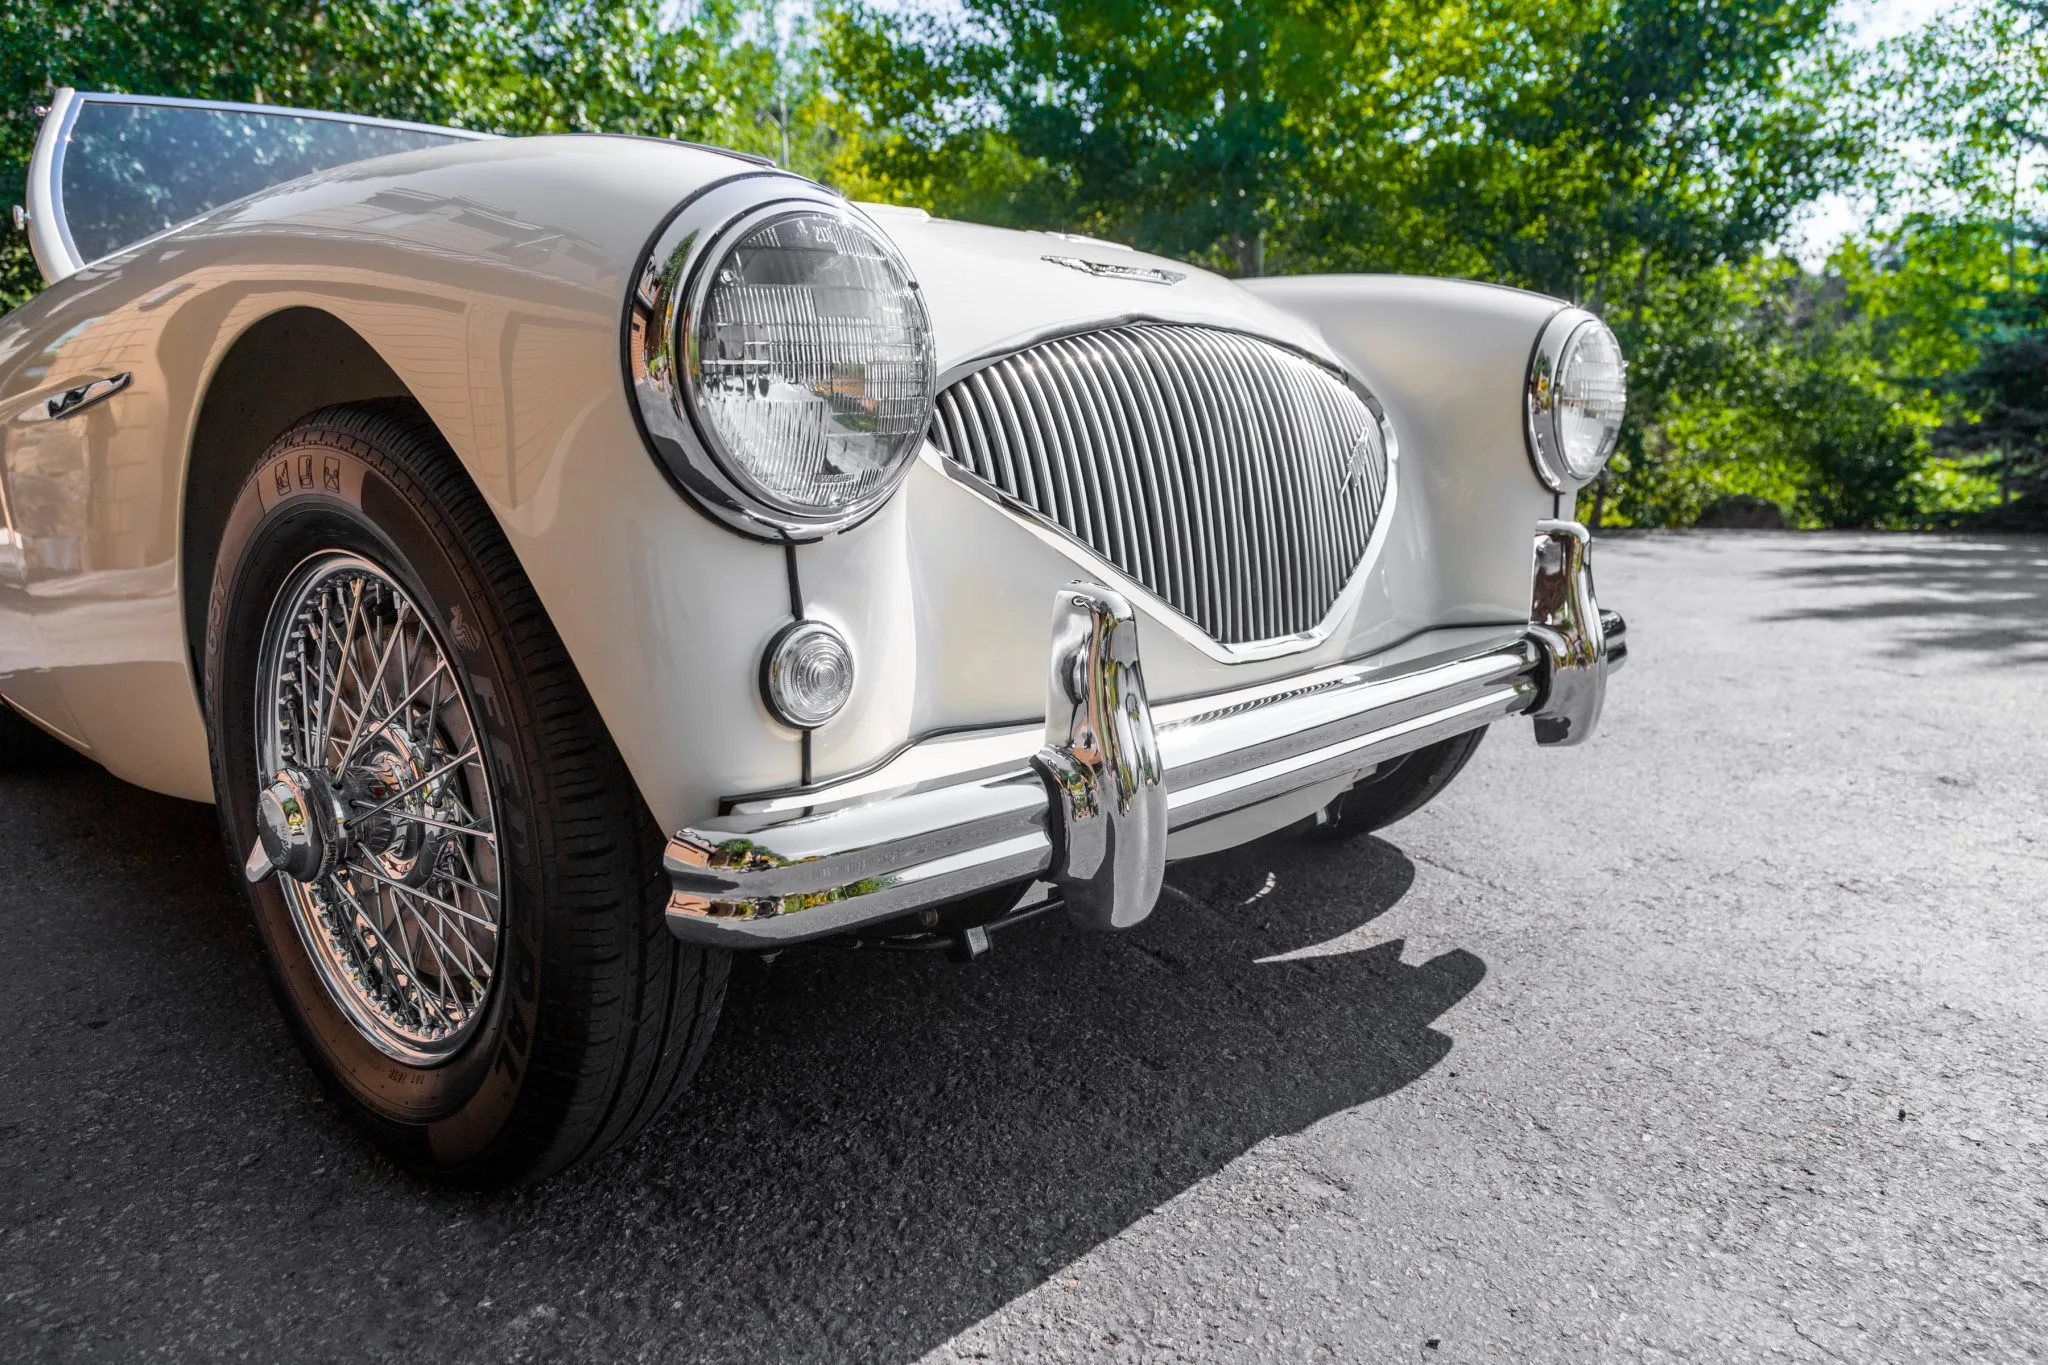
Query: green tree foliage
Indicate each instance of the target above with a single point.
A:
(1644, 157)
(1960, 111)
(1817, 390)
(1633, 155)
(2004, 397)
(718, 73)
(1571, 147)
(1973, 144)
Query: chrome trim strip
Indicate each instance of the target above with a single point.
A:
(1324, 709)
(956, 757)
(1349, 758)
(781, 873)
(829, 873)
(182, 102)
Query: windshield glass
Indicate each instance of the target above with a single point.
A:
(132, 170)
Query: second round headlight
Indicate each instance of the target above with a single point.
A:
(810, 363)
(1592, 396)
(1578, 395)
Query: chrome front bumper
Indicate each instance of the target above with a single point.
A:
(1096, 801)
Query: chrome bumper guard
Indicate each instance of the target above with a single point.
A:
(1090, 804)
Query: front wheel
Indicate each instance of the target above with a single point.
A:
(1400, 788)
(457, 887)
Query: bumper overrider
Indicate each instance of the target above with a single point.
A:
(1091, 805)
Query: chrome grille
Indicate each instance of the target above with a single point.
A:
(1230, 476)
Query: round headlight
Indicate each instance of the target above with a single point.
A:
(811, 363)
(782, 358)
(1578, 393)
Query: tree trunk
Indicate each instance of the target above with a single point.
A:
(1251, 255)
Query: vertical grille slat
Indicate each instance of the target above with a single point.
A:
(1016, 465)
(1162, 500)
(1132, 515)
(1204, 385)
(1175, 510)
(1263, 449)
(1267, 449)
(1209, 464)
(1096, 455)
(1304, 576)
(1214, 468)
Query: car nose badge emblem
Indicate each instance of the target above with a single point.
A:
(1361, 455)
(1144, 274)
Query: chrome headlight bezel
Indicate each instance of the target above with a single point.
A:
(1566, 330)
(671, 287)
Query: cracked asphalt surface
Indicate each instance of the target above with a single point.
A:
(1722, 1038)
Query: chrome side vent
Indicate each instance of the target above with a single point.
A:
(1234, 478)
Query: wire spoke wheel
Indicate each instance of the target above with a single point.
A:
(432, 819)
(369, 753)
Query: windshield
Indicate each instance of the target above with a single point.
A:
(130, 169)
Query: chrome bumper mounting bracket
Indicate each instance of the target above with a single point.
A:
(1566, 620)
(1101, 763)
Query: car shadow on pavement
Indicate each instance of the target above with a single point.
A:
(1986, 593)
(882, 1149)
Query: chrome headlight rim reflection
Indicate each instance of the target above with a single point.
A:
(1567, 328)
(675, 278)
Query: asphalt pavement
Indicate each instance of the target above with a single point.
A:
(1722, 1038)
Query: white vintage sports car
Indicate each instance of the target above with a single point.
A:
(565, 561)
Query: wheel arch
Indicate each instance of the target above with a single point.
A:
(283, 367)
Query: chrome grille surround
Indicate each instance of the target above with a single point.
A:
(1231, 477)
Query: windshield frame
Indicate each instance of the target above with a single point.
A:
(49, 234)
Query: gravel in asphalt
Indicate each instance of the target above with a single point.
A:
(1721, 1038)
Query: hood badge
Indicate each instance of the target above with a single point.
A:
(1361, 456)
(1143, 274)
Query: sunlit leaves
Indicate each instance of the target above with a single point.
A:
(715, 70)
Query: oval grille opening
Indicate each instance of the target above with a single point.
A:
(1236, 479)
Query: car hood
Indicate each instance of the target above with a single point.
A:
(990, 290)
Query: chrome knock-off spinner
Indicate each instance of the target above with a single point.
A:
(299, 825)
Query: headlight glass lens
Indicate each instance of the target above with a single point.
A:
(1590, 399)
(811, 363)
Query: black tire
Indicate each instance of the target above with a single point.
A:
(596, 1016)
(1399, 789)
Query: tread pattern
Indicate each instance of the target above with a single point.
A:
(626, 1009)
